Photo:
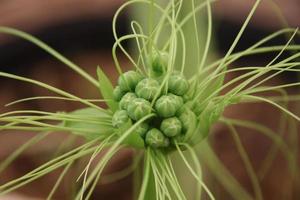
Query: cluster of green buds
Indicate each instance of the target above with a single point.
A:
(139, 96)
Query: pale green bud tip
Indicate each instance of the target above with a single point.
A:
(171, 126)
(126, 99)
(160, 62)
(156, 139)
(147, 88)
(178, 85)
(166, 106)
(128, 80)
(119, 118)
(118, 93)
(138, 108)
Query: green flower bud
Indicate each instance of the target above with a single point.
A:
(147, 88)
(171, 126)
(119, 118)
(186, 117)
(179, 99)
(126, 99)
(138, 108)
(118, 93)
(177, 84)
(159, 62)
(142, 129)
(128, 80)
(166, 106)
(156, 139)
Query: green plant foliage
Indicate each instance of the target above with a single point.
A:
(106, 89)
(94, 128)
(164, 107)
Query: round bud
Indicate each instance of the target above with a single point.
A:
(156, 139)
(171, 126)
(166, 106)
(179, 99)
(119, 118)
(128, 80)
(138, 108)
(118, 93)
(147, 88)
(142, 129)
(186, 117)
(159, 62)
(126, 99)
(177, 84)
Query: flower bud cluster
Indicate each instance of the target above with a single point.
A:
(139, 96)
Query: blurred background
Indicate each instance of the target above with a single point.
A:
(81, 30)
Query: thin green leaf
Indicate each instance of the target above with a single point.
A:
(106, 89)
